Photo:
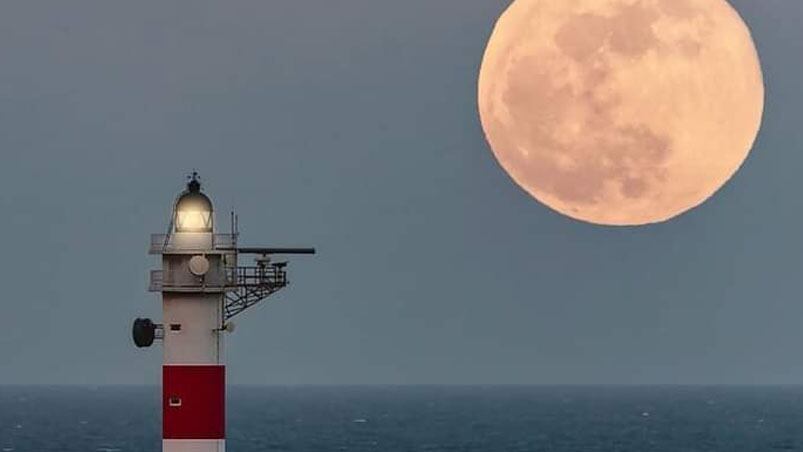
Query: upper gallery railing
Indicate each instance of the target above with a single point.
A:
(164, 243)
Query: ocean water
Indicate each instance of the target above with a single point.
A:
(389, 419)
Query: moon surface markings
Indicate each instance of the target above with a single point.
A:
(601, 161)
(591, 106)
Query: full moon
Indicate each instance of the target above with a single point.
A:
(621, 112)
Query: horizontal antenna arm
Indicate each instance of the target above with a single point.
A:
(251, 250)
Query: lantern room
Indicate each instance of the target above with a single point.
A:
(193, 210)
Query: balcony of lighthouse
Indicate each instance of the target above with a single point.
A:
(245, 284)
(192, 243)
(161, 281)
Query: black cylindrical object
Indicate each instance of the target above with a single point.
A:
(143, 332)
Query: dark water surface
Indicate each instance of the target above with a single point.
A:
(388, 419)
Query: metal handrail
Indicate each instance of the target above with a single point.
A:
(259, 276)
(163, 242)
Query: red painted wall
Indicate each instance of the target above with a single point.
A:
(200, 390)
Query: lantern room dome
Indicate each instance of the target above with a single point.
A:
(194, 202)
(193, 209)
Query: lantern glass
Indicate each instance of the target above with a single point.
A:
(193, 211)
(193, 221)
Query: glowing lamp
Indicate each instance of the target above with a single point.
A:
(193, 211)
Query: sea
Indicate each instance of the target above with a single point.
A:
(420, 418)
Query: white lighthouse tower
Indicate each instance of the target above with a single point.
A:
(202, 288)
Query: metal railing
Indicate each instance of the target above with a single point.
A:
(243, 286)
(163, 242)
(259, 276)
(224, 241)
(158, 283)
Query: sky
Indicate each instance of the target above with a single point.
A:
(354, 128)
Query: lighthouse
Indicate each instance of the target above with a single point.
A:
(202, 286)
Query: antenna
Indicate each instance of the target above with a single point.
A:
(266, 251)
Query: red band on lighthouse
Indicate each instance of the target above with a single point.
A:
(193, 402)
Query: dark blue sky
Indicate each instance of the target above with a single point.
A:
(353, 127)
